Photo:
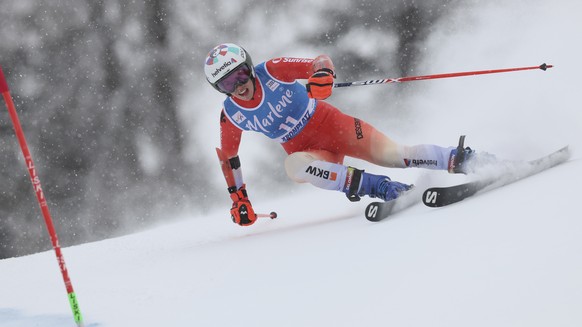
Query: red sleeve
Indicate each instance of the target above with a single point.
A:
(289, 69)
(230, 136)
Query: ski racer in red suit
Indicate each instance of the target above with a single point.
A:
(267, 98)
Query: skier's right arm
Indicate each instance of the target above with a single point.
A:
(241, 212)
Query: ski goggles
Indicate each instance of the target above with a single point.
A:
(237, 77)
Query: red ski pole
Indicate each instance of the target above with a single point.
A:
(41, 199)
(271, 215)
(447, 75)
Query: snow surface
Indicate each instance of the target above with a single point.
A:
(509, 257)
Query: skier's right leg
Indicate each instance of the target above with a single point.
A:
(319, 169)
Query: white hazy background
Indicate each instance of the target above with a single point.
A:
(510, 257)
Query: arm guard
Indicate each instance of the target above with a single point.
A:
(231, 170)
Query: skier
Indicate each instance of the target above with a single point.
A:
(268, 99)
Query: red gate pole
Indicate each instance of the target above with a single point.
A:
(41, 199)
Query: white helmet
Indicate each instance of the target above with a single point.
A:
(224, 59)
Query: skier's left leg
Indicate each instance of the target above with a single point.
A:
(321, 169)
(353, 137)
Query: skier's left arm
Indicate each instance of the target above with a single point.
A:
(319, 72)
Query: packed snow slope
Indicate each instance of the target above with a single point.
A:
(508, 257)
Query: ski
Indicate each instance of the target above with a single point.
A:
(380, 210)
(377, 210)
(508, 172)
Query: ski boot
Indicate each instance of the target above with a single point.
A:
(465, 160)
(459, 158)
(375, 186)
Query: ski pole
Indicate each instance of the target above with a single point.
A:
(41, 199)
(271, 215)
(436, 76)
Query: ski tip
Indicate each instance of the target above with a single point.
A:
(565, 151)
